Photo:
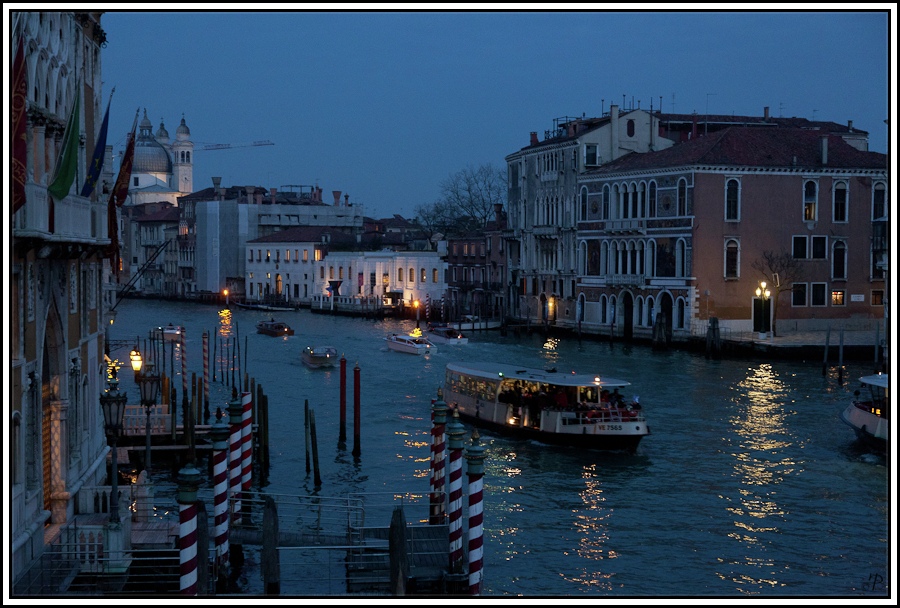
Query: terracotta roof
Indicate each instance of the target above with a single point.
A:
(752, 147)
(795, 122)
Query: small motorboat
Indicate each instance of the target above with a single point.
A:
(413, 345)
(170, 333)
(867, 414)
(444, 334)
(274, 328)
(319, 356)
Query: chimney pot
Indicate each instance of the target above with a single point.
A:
(337, 197)
(534, 138)
(766, 113)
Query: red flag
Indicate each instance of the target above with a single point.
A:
(20, 144)
(120, 190)
(117, 198)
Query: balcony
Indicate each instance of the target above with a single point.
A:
(76, 219)
(632, 226)
(636, 280)
(546, 231)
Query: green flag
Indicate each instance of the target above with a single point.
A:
(67, 162)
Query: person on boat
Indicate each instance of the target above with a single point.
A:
(561, 400)
(617, 399)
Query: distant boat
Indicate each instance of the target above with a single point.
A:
(867, 414)
(169, 332)
(412, 345)
(274, 328)
(444, 334)
(319, 356)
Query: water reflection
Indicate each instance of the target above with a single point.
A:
(760, 463)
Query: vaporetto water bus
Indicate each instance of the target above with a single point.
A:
(549, 406)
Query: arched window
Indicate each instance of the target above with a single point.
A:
(732, 201)
(879, 210)
(424, 276)
(732, 259)
(651, 200)
(412, 275)
(680, 259)
(434, 275)
(810, 198)
(399, 275)
(639, 311)
(584, 203)
(605, 215)
(839, 260)
(603, 309)
(679, 314)
(839, 209)
(682, 196)
(629, 127)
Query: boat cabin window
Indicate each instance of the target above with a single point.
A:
(587, 394)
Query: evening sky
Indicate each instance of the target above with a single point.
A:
(385, 105)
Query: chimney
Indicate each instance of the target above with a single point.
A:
(534, 139)
(766, 113)
(850, 125)
(259, 196)
(614, 130)
(272, 193)
(498, 213)
(337, 197)
(824, 149)
(217, 181)
(346, 200)
(249, 190)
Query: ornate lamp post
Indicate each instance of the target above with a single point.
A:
(149, 384)
(762, 293)
(136, 363)
(112, 402)
(416, 305)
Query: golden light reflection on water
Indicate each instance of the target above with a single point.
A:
(760, 464)
(592, 523)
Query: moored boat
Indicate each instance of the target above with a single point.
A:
(444, 334)
(867, 413)
(413, 345)
(274, 328)
(319, 356)
(569, 409)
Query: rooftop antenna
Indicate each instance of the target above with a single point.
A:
(706, 124)
(673, 103)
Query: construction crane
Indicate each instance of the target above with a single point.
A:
(261, 142)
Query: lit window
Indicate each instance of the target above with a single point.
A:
(877, 298)
(810, 198)
(837, 297)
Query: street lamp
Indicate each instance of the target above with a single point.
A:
(136, 362)
(416, 306)
(763, 294)
(149, 385)
(112, 402)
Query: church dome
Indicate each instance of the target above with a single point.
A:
(182, 132)
(162, 133)
(149, 155)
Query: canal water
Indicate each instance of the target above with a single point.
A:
(749, 485)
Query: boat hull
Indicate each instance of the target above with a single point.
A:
(410, 345)
(869, 428)
(600, 442)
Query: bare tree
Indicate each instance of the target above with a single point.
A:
(780, 270)
(469, 195)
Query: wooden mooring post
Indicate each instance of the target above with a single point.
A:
(271, 569)
(825, 359)
(315, 450)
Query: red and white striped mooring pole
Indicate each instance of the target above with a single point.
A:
(235, 454)
(455, 432)
(475, 460)
(439, 408)
(188, 482)
(220, 434)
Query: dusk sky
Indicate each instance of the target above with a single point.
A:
(384, 106)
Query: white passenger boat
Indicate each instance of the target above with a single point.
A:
(319, 356)
(413, 345)
(569, 409)
(867, 414)
(444, 334)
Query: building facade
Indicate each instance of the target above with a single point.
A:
(800, 209)
(60, 244)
